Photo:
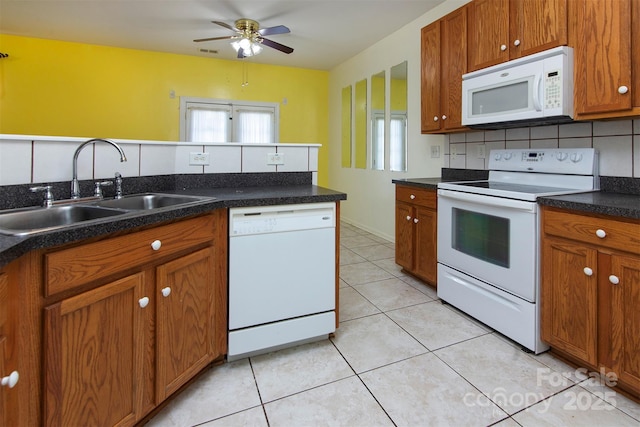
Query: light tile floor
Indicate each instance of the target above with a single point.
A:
(400, 357)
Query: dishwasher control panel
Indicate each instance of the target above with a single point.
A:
(281, 218)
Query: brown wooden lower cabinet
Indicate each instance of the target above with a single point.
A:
(112, 327)
(590, 292)
(416, 232)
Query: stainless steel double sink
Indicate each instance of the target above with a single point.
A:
(25, 221)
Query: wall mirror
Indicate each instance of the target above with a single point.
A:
(360, 117)
(377, 120)
(346, 127)
(398, 119)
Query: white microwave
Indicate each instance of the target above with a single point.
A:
(533, 90)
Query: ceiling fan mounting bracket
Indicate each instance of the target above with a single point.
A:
(247, 25)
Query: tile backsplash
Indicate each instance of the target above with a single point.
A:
(618, 142)
(34, 159)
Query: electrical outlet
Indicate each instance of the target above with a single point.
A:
(275, 159)
(435, 151)
(453, 150)
(482, 151)
(198, 159)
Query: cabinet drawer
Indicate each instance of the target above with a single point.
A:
(618, 234)
(68, 268)
(416, 196)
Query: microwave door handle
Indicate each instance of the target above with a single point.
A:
(537, 85)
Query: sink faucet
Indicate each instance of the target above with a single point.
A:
(75, 185)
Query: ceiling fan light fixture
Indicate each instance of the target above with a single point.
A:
(249, 46)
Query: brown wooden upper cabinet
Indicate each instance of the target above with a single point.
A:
(606, 39)
(501, 30)
(444, 61)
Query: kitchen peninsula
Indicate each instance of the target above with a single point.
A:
(115, 277)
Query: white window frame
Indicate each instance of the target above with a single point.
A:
(232, 106)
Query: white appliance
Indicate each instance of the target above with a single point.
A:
(489, 236)
(536, 89)
(282, 279)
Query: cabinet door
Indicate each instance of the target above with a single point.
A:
(4, 295)
(536, 26)
(426, 259)
(488, 33)
(404, 235)
(4, 415)
(602, 55)
(454, 65)
(94, 355)
(624, 307)
(569, 298)
(430, 88)
(185, 319)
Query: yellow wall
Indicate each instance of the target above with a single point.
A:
(398, 95)
(71, 89)
(361, 124)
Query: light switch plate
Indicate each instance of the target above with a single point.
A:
(275, 158)
(435, 151)
(198, 159)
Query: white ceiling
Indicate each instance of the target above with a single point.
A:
(324, 33)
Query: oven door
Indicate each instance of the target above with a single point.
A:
(490, 238)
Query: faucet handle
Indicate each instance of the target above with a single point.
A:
(99, 185)
(118, 179)
(48, 194)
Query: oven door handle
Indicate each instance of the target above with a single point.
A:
(498, 202)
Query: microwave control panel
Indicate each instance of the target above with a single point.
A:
(553, 89)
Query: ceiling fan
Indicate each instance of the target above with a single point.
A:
(249, 37)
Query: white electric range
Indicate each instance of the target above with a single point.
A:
(489, 233)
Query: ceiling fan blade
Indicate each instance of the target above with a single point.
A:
(213, 38)
(276, 45)
(278, 29)
(227, 26)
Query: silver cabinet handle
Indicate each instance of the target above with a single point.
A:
(156, 244)
(435, 118)
(622, 90)
(516, 43)
(614, 279)
(166, 291)
(588, 271)
(144, 301)
(601, 233)
(444, 117)
(503, 47)
(415, 220)
(413, 196)
(408, 218)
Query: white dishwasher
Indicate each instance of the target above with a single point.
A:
(282, 279)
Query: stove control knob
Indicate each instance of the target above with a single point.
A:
(507, 155)
(498, 156)
(576, 157)
(562, 156)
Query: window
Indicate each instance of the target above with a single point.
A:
(377, 140)
(397, 144)
(213, 120)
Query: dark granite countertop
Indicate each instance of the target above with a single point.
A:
(11, 247)
(448, 175)
(597, 202)
(619, 197)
